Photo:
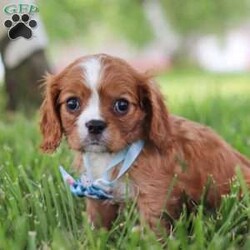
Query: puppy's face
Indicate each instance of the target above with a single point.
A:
(100, 104)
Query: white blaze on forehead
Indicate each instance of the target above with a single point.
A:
(91, 72)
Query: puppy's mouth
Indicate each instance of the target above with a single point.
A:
(95, 145)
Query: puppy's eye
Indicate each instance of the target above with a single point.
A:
(73, 104)
(121, 106)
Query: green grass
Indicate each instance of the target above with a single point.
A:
(38, 212)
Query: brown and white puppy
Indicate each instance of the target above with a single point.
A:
(101, 105)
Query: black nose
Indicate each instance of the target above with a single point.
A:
(96, 126)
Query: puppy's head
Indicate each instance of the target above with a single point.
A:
(100, 103)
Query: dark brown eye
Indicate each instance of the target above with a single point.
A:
(73, 104)
(121, 106)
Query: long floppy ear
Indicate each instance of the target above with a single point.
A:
(50, 124)
(157, 118)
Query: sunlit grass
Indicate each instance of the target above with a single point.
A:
(38, 212)
(197, 86)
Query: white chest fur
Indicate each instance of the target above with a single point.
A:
(123, 188)
(98, 163)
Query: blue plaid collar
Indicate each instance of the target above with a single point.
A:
(101, 188)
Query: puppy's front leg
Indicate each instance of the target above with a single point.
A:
(101, 213)
(157, 212)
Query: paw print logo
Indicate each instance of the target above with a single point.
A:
(20, 26)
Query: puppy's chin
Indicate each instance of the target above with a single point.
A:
(95, 148)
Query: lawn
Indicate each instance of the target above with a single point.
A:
(37, 211)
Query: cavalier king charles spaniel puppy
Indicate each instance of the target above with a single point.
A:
(100, 104)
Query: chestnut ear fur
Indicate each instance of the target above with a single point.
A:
(50, 124)
(157, 125)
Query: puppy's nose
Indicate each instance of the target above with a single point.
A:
(96, 126)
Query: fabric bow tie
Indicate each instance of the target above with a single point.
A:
(101, 189)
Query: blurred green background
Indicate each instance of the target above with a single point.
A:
(200, 53)
(171, 33)
(128, 18)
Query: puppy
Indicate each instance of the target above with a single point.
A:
(101, 105)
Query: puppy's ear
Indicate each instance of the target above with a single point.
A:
(50, 124)
(157, 118)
